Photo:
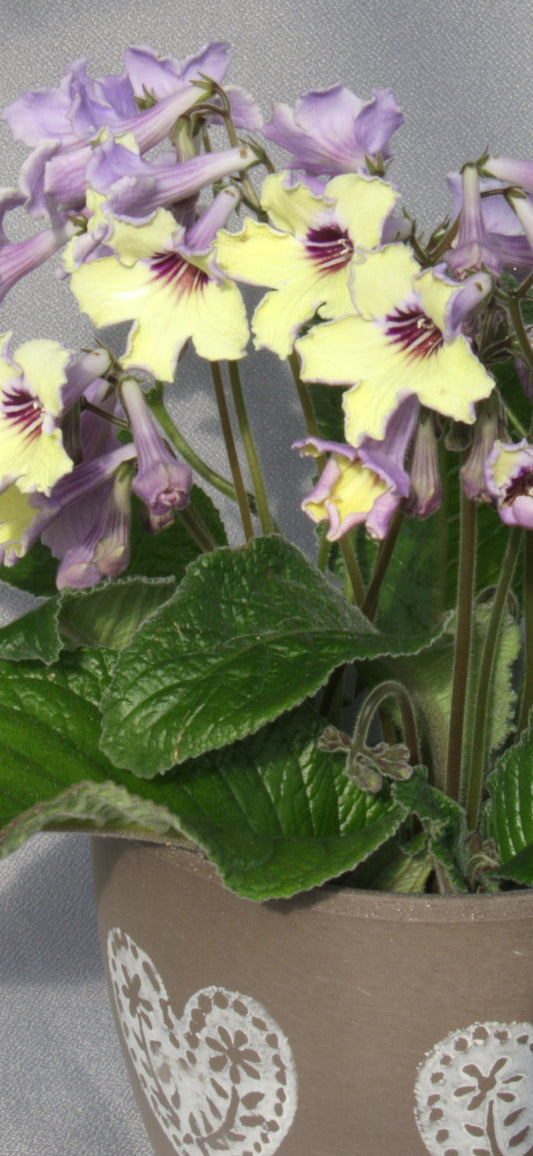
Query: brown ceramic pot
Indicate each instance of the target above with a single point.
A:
(339, 1023)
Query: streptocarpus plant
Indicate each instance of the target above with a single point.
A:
(362, 714)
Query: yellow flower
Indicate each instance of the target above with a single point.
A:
(308, 254)
(405, 340)
(168, 287)
(31, 445)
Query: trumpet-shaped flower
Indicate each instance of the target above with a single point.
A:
(163, 482)
(365, 484)
(406, 340)
(162, 76)
(133, 188)
(308, 255)
(164, 280)
(503, 233)
(331, 131)
(37, 385)
(20, 257)
(509, 480)
(92, 536)
(473, 250)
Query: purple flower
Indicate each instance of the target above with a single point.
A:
(489, 426)
(504, 235)
(426, 490)
(472, 251)
(162, 481)
(509, 479)
(92, 537)
(364, 484)
(510, 171)
(162, 76)
(331, 131)
(21, 257)
(134, 188)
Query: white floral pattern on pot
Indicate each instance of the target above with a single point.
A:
(221, 1077)
(474, 1092)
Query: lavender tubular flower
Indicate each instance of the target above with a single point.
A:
(162, 481)
(331, 131)
(473, 250)
(91, 538)
(21, 257)
(500, 228)
(511, 171)
(134, 189)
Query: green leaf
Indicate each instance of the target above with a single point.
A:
(109, 614)
(33, 635)
(52, 772)
(511, 806)
(248, 634)
(36, 572)
(275, 813)
(444, 823)
(428, 677)
(279, 816)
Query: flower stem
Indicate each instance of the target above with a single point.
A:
(231, 451)
(463, 636)
(265, 516)
(372, 703)
(474, 784)
(311, 424)
(370, 602)
(527, 693)
(520, 329)
(154, 400)
(196, 527)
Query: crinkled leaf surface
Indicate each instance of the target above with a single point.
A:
(248, 634)
(274, 813)
(510, 810)
(109, 614)
(277, 815)
(444, 823)
(33, 635)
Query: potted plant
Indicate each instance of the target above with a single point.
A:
(317, 920)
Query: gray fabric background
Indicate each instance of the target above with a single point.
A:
(462, 73)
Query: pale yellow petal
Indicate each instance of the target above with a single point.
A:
(294, 209)
(44, 364)
(259, 255)
(384, 280)
(15, 517)
(362, 206)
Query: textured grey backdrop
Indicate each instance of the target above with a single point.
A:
(461, 71)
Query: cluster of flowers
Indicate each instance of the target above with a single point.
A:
(353, 299)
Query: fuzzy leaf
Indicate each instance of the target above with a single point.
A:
(109, 614)
(510, 810)
(33, 635)
(277, 815)
(444, 823)
(248, 635)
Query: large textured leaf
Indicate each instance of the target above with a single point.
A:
(510, 809)
(109, 614)
(33, 635)
(279, 816)
(248, 635)
(275, 813)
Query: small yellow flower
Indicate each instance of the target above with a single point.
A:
(31, 445)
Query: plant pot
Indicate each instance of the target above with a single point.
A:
(338, 1023)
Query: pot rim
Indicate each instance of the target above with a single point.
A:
(333, 899)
